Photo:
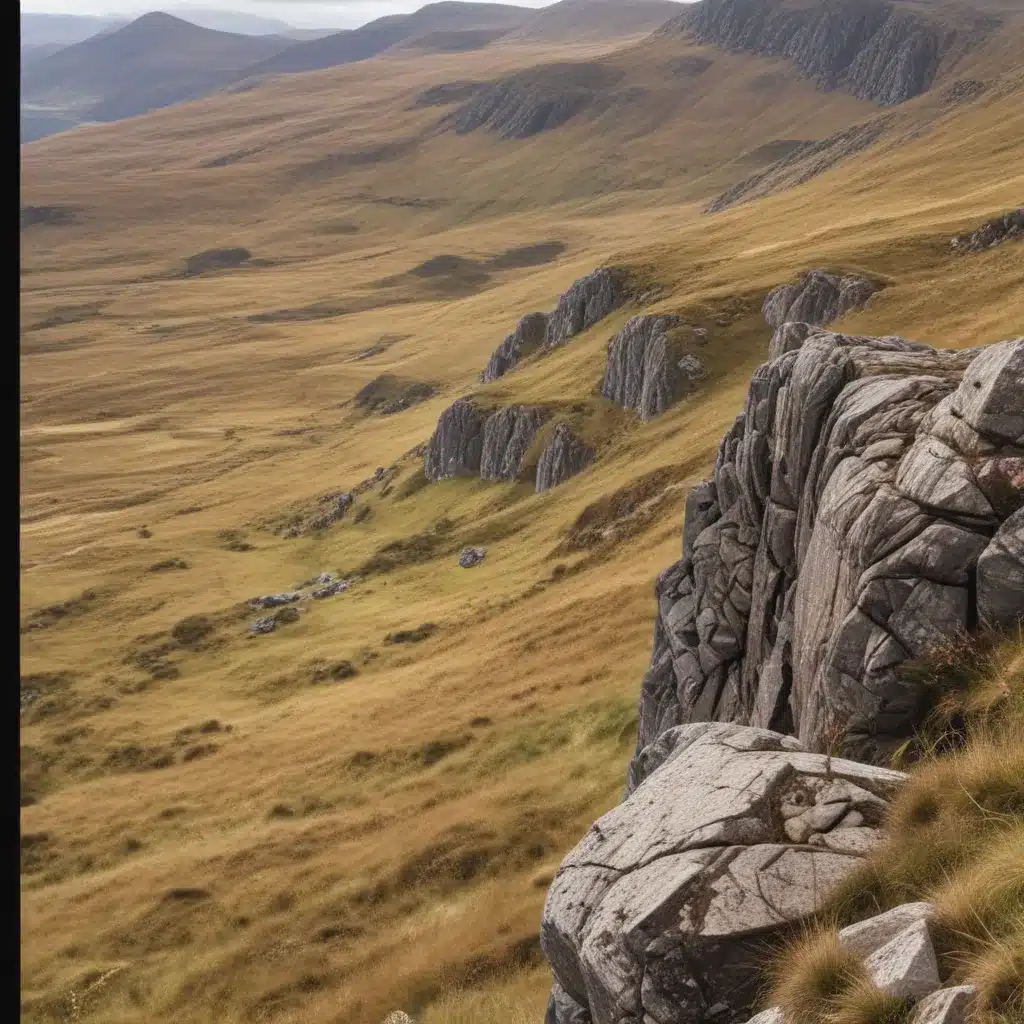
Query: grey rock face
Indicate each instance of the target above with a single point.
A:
(645, 373)
(527, 337)
(906, 966)
(457, 444)
(865, 937)
(818, 299)
(275, 600)
(873, 49)
(947, 1006)
(993, 232)
(507, 436)
(588, 300)
(845, 530)
(659, 912)
(471, 557)
(563, 457)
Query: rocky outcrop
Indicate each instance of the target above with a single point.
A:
(645, 370)
(470, 557)
(853, 522)
(662, 911)
(804, 161)
(563, 457)
(468, 442)
(817, 299)
(537, 100)
(899, 958)
(526, 338)
(456, 446)
(508, 434)
(588, 300)
(1007, 228)
(875, 50)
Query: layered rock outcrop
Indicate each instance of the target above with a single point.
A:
(817, 299)
(469, 442)
(588, 300)
(873, 49)
(645, 371)
(865, 506)
(735, 834)
(455, 448)
(526, 338)
(508, 434)
(563, 457)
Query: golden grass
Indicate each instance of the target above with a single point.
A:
(955, 837)
(349, 847)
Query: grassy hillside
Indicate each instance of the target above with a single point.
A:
(322, 823)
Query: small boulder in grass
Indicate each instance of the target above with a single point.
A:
(398, 1017)
(471, 557)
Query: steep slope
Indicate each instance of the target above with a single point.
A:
(572, 20)
(392, 30)
(877, 50)
(155, 61)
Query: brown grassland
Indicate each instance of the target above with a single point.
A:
(214, 829)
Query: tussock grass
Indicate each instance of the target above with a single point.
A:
(955, 837)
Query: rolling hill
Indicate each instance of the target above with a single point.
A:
(236, 311)
(377, 36)
(36, 28)
(153, 62)
(569, 20)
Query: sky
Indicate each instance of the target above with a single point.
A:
(301, 13)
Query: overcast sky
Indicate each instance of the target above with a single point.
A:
(302, 13)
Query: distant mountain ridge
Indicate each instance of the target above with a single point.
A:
(154, 61)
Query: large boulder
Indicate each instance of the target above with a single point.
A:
(645, 370)
(817, 299)
(507, 436)
(457, 444)
(851, 524)
(662, 912)
(563, 457)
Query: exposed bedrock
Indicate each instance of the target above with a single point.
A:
(817, 299)
(526, 338)
(563, 457)
(587, 301)
(864, 507)
(646, 371)
(661, 914)
(508, 434)
(457, 443)
(873, 49)
(469, 442)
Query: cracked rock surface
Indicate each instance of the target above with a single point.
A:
(507, 436)
(563, 457)
(656, 917)
(873, 49)
(587, 301)
(526, 338)
(817, 299)
(645, 372)
(456, 446)
(866, 505)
